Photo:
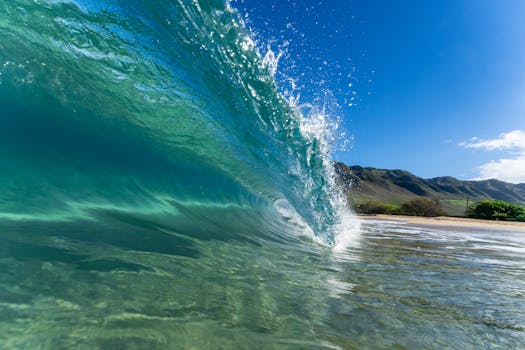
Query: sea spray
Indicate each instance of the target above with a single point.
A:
(318, 123)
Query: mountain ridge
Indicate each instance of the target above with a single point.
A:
(395, 186)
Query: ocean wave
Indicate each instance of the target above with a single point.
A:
(155, 108)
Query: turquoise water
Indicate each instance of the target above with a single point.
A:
(158, 192)
(134, 287)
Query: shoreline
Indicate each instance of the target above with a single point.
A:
(447, 221)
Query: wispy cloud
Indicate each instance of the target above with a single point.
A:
(510, 140)
(512, 167)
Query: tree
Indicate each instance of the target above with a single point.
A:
(497, 210)
(421, 206)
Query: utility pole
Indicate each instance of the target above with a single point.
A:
(466, 208)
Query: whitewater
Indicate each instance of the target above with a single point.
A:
(159, 191)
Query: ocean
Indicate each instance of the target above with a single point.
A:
(158, 191)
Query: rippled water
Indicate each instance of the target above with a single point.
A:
(432, 288)
(396, 287)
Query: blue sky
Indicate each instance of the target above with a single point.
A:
(433, 87)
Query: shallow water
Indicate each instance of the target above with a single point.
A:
(396, 287)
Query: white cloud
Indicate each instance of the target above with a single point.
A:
(511, 140)
(509, 170)
(505, 169)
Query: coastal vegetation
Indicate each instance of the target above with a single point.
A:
(418, 206)
(421, 206)
(376, 207)
(497, 210)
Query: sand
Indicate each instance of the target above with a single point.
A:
(446, 221)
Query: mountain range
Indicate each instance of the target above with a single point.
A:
(396, 186)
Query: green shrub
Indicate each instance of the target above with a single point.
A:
(375, 207)
(497, 210)
(422, 207)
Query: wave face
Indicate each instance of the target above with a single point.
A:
(156, 189)
(158, 109)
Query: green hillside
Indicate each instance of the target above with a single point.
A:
(396, 186)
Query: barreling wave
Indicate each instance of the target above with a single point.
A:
(155, 109)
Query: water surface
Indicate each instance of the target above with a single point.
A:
(396, 287)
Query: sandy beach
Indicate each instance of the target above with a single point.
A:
(446, 221)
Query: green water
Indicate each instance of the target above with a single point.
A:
(396, 287)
